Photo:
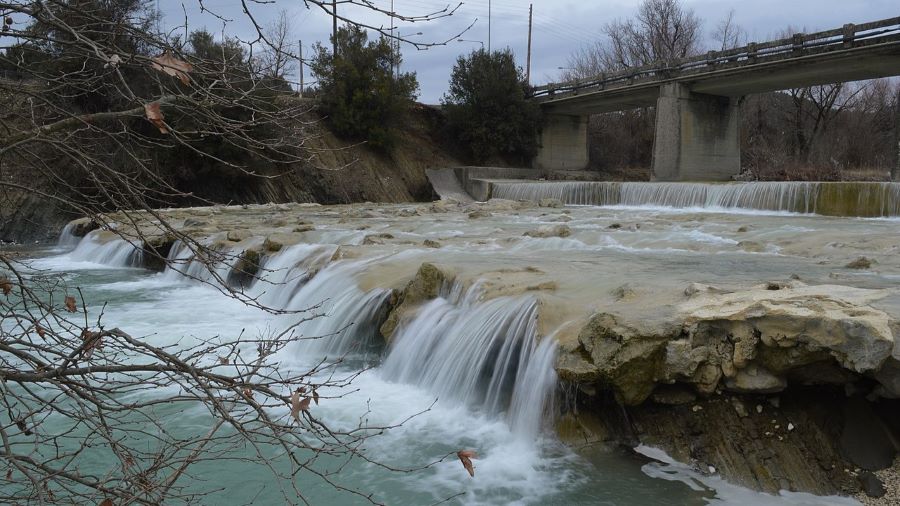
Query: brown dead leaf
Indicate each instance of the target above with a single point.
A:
(106, 502)
(316, 396)
(5, 285)
(92, 341)
(9, 474)
(466, 456)
(39, 330)
(298, 404)
(224, 360)
(170, 65)
(155, 116)
(70, 304)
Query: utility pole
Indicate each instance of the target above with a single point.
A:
(300, 44)
(528, 61)
(334, 28)
(489, 26)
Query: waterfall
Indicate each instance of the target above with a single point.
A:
(482, 353)
(114, 252)
(67, 238)
(834, 199)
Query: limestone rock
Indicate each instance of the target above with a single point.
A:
(550, 202)
(755, 379)
(425, 285)
(276, 242)
(550, 231)
(751, 246)
(238, 235)
(82, 226)
(860, 263)
(627, 359)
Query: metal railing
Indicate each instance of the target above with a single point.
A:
(847, 37)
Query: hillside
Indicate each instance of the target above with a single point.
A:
(335, 172)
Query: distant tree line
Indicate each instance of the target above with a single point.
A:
(843, 130)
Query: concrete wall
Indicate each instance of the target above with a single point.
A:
(697, 136)
(563, 143)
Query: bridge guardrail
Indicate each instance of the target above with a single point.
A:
(846, 37)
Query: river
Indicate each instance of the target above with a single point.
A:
(481, 355)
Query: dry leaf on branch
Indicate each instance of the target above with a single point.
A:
(466, 456)
(9, 474)
(39, 330)
(155, 116)
(5, 285)
(316, 396)
(92, 341)
(70, 304)
(106, 502)
(224, 360)
(170, 65)
(298, 404)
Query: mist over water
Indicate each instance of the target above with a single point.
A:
(477, 367)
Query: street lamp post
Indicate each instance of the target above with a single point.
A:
(467, 40)
(399, 35)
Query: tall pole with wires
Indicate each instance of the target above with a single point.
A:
(528, 59)
(489, 26)
(334, 28)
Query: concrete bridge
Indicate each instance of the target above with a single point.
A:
(697, 99)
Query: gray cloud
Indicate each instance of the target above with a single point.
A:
(560, 27)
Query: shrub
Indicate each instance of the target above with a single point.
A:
(487, 110)
(358, 90)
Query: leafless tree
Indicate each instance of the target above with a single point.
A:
(728, 34)
(103, 117)
(276, 60)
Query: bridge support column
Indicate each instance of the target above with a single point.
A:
(698, 137)
(563, 143)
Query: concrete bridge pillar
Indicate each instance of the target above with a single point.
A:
(563, 143)
(698, 136)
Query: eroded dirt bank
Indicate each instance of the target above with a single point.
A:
(757, 347)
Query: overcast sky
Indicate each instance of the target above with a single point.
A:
(560, 27)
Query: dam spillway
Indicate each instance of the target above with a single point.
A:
(862, 199)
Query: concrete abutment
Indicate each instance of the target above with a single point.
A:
(563, 143)
(698, 136)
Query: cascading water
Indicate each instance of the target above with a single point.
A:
(67, 238)
(834, 199)
(115, 252)
(483, 353)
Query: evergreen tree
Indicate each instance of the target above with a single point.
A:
(487, 110)
(358, 90)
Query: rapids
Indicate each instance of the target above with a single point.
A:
(479, 358)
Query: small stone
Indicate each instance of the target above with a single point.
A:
(871, 485)
(775, 402)
(712, 470)
(742, 229)
(615, 226)
(430, 243)
(550, 202)
(696, 407)
(790, 427)
(759, 408)
(237, 235)
(860, 263)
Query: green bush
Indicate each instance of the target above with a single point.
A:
(487, 110)
(358, 90)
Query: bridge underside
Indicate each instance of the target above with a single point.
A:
(698, 120)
